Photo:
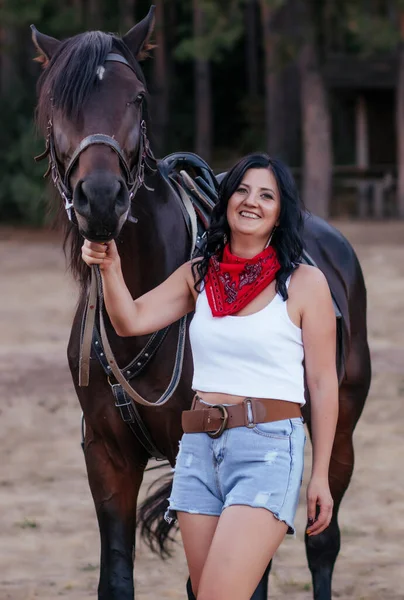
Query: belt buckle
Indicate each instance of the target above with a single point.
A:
(224, 417)
(249, 408)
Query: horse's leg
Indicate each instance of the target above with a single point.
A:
(322, 550)
(114, 476)
(261, 593)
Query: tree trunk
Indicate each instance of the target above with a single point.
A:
(161, 89)
(316, 133)
(400, 124)
(274, 127)
(362, 133)
(78, 6)
(127, 15)
(251, 50)
(94, 14)
(203, 93)
(8, 68)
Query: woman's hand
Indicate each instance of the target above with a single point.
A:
(106, 255)
(318, 494)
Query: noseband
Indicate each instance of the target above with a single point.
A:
(134, 178)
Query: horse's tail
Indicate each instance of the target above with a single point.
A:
(154, 529)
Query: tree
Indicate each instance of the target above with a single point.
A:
(7, 67)
(217, 26)
(251, 50)
(316, 121)
(400, 118)
(94, 18)
(273, 113)
(78, 7)
(203, 92)
(161, 80)
(127, 11)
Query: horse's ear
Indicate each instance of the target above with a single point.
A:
(138, 38)
(45, 45)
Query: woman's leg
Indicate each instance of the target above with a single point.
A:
(197, 532)
(243, 543)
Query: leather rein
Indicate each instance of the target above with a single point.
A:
(90, 337)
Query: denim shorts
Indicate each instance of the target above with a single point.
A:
(260, 467)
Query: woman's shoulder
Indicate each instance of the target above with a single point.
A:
(308, 280)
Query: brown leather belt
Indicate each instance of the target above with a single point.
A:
(214, 419)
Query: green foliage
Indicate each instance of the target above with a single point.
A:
(16, 12)
(223, 26)
(371, 33)
(22, 190)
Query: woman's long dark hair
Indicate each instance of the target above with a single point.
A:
(287, 238)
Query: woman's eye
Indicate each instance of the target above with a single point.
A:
(241, 190)
(267, 196)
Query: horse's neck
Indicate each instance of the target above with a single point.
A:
(158, 243)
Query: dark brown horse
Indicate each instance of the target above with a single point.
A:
(90, 108)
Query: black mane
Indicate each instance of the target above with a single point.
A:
(71, 76)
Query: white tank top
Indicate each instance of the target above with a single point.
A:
(258, 355)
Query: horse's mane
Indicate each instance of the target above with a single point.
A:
(66, 83)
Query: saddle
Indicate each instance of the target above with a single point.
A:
(187, 172)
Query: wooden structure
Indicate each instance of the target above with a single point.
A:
(362, 95)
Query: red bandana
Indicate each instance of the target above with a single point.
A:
(231, 284)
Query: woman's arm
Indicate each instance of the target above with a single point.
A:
(319, 340)
(156, 309)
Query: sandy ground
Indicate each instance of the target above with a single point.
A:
(49, 536)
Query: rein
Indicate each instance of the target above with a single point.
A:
(96, 298)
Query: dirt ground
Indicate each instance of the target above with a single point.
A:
(49, 535)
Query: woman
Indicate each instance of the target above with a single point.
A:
(258, 314)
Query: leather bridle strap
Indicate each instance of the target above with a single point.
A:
(104, 140)
(114, 57)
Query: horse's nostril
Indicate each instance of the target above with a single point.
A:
(122, 196)
(81, 200)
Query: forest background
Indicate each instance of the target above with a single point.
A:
(215, 80)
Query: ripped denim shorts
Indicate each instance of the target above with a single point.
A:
(259, 467)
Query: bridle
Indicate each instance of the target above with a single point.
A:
(134, 177)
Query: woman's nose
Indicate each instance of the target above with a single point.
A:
(251, 200)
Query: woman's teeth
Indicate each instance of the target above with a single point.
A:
(249, 215)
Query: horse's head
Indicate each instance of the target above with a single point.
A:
(90, 108)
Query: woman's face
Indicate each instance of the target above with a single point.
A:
(255, 206)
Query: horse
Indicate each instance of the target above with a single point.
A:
(91, 110)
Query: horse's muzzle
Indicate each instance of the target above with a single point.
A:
(101, 204)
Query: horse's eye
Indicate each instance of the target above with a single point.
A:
(138, 100)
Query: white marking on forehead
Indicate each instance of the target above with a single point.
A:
(100, 72)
